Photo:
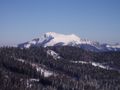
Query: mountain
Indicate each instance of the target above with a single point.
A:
(56, 39)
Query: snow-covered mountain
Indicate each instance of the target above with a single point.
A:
(55, 39)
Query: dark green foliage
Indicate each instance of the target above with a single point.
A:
(16, 75)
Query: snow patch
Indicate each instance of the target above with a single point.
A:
(82, 62)
(38, 67)
(27, 45)
(53, 54)
(113, 46)
(34, 80)
(100, 65)
(21, 60)
(43, 71)
(93, 64)
(29, 82)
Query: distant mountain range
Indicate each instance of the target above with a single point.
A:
(56, 39)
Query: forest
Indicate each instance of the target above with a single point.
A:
(76, 69)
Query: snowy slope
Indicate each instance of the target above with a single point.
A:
(52, 39)
(38, 67)
(53, 54)
(64, 39)
(96, 64)
(56, 39)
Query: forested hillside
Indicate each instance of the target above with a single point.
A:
(58, 68)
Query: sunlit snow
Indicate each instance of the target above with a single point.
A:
(95, 64)
(39, 68)
(53, 54)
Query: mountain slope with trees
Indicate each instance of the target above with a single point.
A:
(35, 69)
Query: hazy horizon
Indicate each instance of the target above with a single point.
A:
(97, 20)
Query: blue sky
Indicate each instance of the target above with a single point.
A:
(23, 20)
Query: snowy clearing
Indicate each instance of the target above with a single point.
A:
(95, 64)
(39, 68)
(53, 54)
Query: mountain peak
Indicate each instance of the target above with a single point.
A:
(56, 35)
(56, 39)
(51, 33)
(53, 39)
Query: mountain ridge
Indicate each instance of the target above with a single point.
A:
(56, 39)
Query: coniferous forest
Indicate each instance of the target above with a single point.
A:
(58, 68)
